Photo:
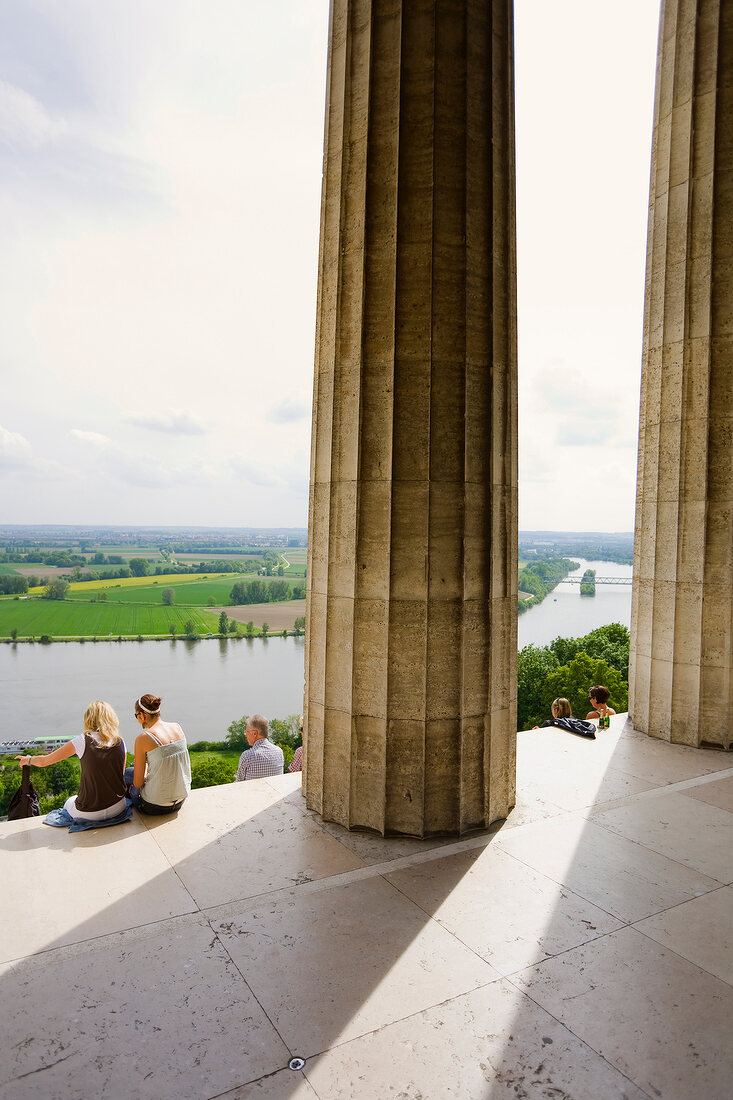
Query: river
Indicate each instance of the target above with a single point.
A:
(208, 684)
(568, 614)
(204, 685)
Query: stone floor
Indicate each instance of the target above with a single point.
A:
(583, 950)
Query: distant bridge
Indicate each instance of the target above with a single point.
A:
(597, 580)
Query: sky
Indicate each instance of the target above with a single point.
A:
(160, 166)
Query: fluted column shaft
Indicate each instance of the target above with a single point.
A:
(412, 574)
(681, 688)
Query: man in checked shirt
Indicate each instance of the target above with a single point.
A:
(262, 757)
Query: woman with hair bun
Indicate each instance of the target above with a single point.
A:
(102, 755)
(161, 777)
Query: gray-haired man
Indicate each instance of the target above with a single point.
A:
(262, 758)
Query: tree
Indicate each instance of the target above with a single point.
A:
(139, 567)
(299, 624)
(286, 732)
(56, 589)
(249, 629)
(223, 622)
(13, 584)
(534, 665)
(13, 633)
(168, 596)
(172, 629)
(264, 629)
(572, 682)
(232, 628)
(235, 738)
(609, 643)
(281, 571)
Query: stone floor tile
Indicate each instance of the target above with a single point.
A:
(373, 849)
(701, 930)
(608, 870)
(509, 914)
(60, 887)
(162, 1015)
(242, 840)
(490, 1044)
(716, 793)
(330, 964)
(660, 1020)
(573, 786)
(530, 806)
(368, 846)
(660, 763)
(285, 1085)
(679, 827)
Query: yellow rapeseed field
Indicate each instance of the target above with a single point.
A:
(134, 582)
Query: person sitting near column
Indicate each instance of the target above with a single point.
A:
(262, 758)
(599, 696)
(562, 719)
(560, 709)
(161, 777)
(296, 764)
(102, 755)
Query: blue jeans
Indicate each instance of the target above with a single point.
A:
(139, 802)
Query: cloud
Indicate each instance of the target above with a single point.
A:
(174, 422)
(15, 451)
(596, 433)
(93, 438)
(17, 457)
(287, 411)
(24, 121)
(140, 471)
(254, 474)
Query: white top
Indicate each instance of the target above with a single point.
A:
(70, 805)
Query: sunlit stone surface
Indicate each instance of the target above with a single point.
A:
(190, 958)
(682, 609)
(412, 571)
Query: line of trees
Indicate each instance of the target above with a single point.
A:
(264, 591)
(567, 668)
(540, 577)
(13, 584)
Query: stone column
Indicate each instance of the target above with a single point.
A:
(681, 687)
(412, 572)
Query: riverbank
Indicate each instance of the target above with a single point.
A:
(567, 614)
(82, 639)
(46, 688)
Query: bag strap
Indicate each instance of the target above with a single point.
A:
(25, 779)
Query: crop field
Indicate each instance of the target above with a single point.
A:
(65, 618)
(7, 569)
(193, 593)
(166, 579)
(245, 556)
(188, 591)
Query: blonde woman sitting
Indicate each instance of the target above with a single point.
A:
(102, 755)
(161, 778)
(562, 718)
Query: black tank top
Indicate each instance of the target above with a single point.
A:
(102, 776)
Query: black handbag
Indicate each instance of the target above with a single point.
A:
(24, 802)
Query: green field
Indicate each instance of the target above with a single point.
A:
(188, 591)
(7, 569)
(191, 592)
(65, 618)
